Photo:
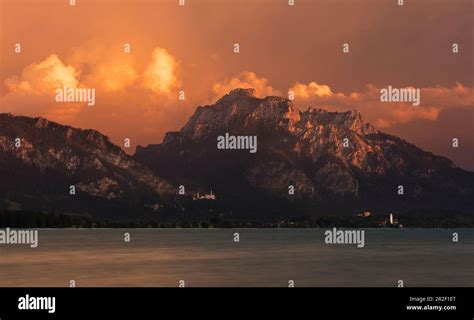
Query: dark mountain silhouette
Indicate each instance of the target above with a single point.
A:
(50, 158)
(335, 162)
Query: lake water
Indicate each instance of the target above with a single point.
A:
(263, 257)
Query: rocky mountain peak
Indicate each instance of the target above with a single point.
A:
(84, 158)
(327, 156)
(352, 120)
(237, 94)
(241, 111)
(42, 123)
(323, 152)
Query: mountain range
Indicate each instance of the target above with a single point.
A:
(307, 163)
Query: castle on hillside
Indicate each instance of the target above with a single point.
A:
(207, 196)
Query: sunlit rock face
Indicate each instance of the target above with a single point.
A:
(58, 156)
(321, 154)
(301, 158)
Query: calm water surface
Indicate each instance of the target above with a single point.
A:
(263, 257)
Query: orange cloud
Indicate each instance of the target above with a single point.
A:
(43, 77)
(146, 102)
(380, 114)
(110, 69)
(32, 93)
(104, 68)
(245, 79)
(312, 89)
(160, 75)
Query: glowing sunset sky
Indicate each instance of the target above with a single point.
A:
(282, 48)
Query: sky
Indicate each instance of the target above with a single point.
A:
(282, 48)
